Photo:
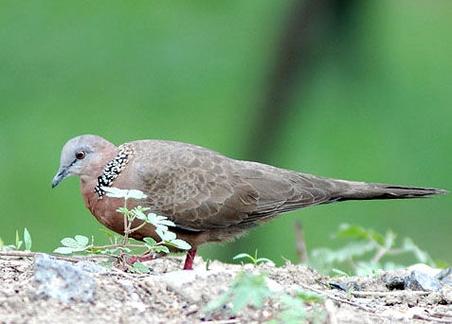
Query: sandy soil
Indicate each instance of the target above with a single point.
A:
(170, 295)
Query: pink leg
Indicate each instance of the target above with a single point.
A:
(188, 265)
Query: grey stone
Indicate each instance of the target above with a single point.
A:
(445, 276)
(62, 280)
(418, 280)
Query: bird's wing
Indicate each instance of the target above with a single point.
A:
(200, 190)
(282, 190)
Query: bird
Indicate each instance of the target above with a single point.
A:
(209, 196)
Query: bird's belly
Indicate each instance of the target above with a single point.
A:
(104, 210)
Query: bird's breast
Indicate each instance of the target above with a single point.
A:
(103, 209)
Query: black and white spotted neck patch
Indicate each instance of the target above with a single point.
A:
(113, 169)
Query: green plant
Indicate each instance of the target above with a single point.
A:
(251, 289)
(246, 289)
(121, 246)
(294, 308)
(26, 242)
(365, 252)
(252, 259)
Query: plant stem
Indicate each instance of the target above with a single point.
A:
(112, 246)
(126, 225)
(138, 227)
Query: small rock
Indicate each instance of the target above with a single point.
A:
(445, 277)
(421, 267)
(418, 280)
(62, 280)
(395, 280)
(446, 293)
(338, 286)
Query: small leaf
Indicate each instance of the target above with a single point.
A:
(82, 241)
(139, 267)
(122, 210)
(18, 241)
(114, 192)
(27, 240)
(249, 289)
(139, 214)
(159, 221)
(264, 260)
(181, 244)
(340, 272)
(122, 193)
(166, 222)
(242, 256)
(69, 242)
(309, 297)
(165, 235)
(160, 249)
(150, 241)
(160, 233)
(136, 194)
(169, 236)
(152, 218)
(63, 250)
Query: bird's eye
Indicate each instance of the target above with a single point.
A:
(80, 155)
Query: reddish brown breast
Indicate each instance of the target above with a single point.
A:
(103, 209)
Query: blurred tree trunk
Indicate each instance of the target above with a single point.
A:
(310, 26)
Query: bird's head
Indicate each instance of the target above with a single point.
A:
(83, 156)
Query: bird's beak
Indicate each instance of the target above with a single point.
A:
(61, 174)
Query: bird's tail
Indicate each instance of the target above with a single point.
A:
(352, 190)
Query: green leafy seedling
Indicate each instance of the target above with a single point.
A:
(252, 259)
(139, 267)
(294, 308)
(121, 247)
(365, 251)
(246, 290)
(78, 243)
(27, 240)
(19, 242)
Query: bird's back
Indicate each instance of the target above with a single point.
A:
(201, 189)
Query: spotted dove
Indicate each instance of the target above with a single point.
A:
(209, 196)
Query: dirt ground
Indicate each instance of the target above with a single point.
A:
(73, 291)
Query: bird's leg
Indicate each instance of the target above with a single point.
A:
(188, 265)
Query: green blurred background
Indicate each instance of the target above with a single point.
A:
(357, 90)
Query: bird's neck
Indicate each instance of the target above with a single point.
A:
(88, 181)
